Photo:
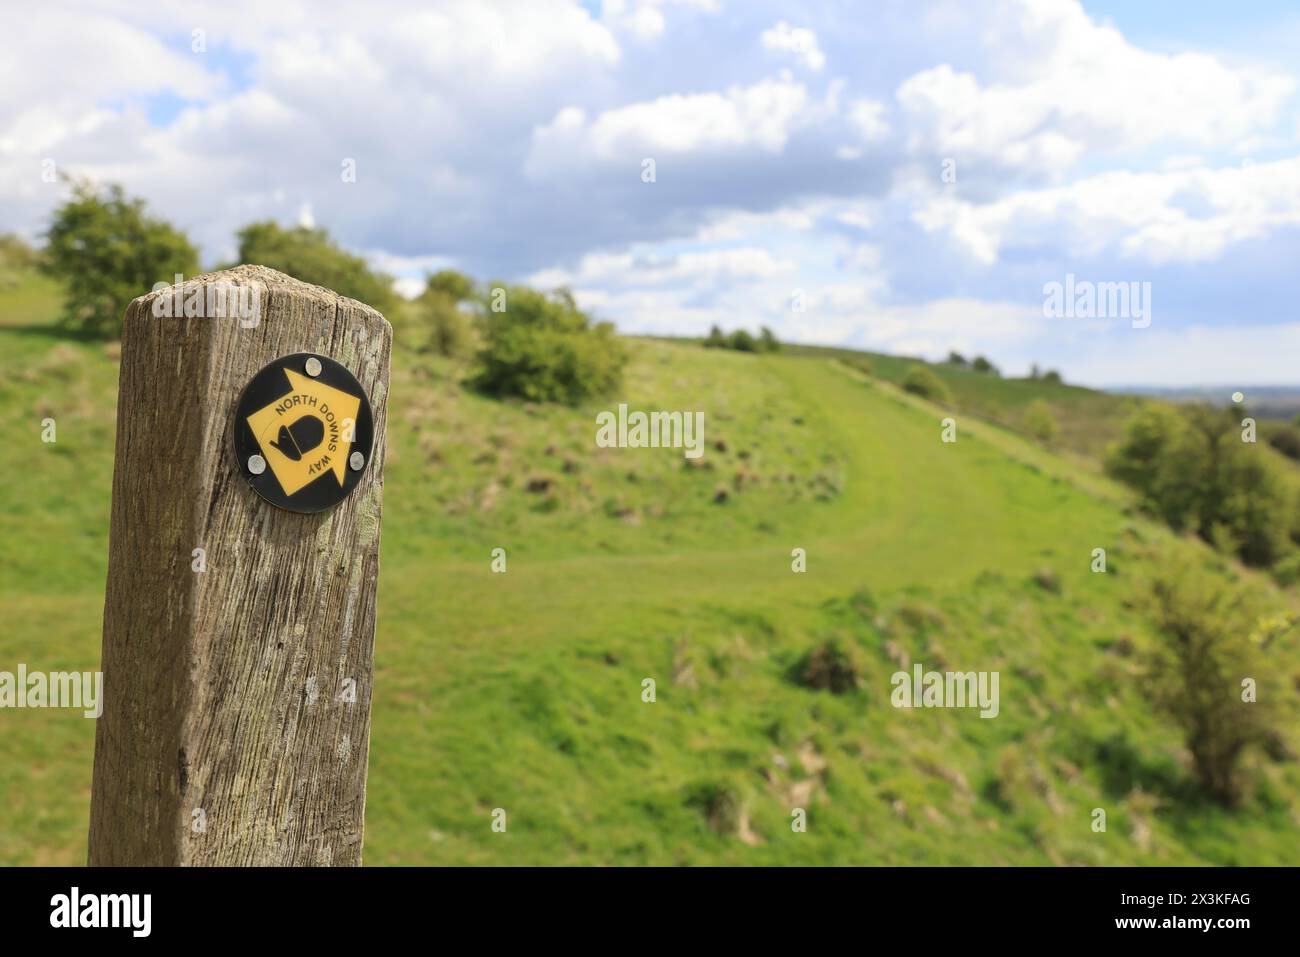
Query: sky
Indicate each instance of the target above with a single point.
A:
(903, 175)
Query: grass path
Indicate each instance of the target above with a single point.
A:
(913, 510)
(479, 673)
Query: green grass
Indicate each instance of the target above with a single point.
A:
(523, 690)
(28, 298)
(1090, 420)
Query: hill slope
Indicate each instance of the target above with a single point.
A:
(523, 690)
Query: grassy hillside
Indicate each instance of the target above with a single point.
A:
(523, 690)
(1090, 420)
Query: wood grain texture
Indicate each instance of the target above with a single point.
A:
(223, 688)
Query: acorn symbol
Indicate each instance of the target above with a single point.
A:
(295, 441)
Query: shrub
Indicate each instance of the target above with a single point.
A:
(106, 250)
(832, 666)
(1194, 670)
(454, 285)
(1052, 376)
(1040, 422)
(720, 803)
(983, 365)
(957, 359)
(310, 255)
(1191, 468)
(449, 329)
(1286, 439)
(742, 341)
(1287, 571)
(543, 348)
(1047, 579)
(439, 320)
(921, 380)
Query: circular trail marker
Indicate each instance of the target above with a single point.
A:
(308, 420)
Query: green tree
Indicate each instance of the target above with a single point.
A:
(715, 339)
(767, 340)
(957, 359)
(106, 250)
(742, 341)
(1286, 439)
(1040, 422)
(310, 255)
(1191, 468)
(1208, 640)
(445, 325)
(454, 285)
(543, 348)
(981, 364)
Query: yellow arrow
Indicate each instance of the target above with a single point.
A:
(336, 411)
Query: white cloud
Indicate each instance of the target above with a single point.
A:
(408, 287)
(799, 41)
(1231, 356)
(695, 268)
(507, 138)
(760, 116)
(867, 117)
(1078, 86)
(1179, 215)
(645, 19)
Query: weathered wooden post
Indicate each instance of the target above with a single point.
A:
(238, 635)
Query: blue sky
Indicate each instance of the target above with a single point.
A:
(905, 175)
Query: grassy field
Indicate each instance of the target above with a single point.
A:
(1090, 420)
(523, 690)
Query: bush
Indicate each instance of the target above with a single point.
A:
(1052, 376)
(983, 365)
(451, 284)
(106, 250)
(1287, 571)
(1194, 673)
(833, 666)
(921, 380)
(742, 341)
(720, 803)
(543, 348)
(438, 321)
(1286, 439)
(957, 359)
(449, 329)
(1191, 468)
(1040, 422)
(310, 255)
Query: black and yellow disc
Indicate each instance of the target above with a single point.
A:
(303, 433)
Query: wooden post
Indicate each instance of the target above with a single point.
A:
(237, 680)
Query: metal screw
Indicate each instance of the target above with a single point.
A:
(256, 464)
(313, 367)
(356, 460)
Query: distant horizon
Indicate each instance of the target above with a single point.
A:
(1227, 387)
